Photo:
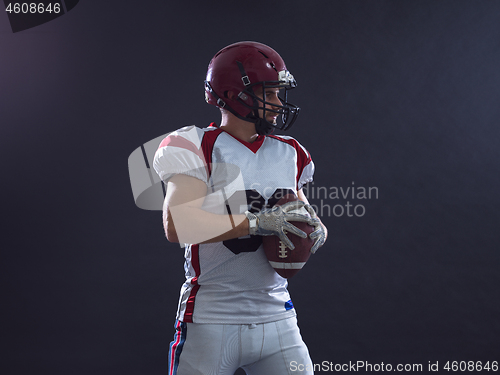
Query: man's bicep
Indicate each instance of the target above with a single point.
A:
(185, 190)
(182, 192)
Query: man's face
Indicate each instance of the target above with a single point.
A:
(272, 96)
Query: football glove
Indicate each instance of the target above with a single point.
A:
(275, 221)
(319, 235)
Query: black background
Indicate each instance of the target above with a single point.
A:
(398, 95)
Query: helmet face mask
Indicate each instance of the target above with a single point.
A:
(248, 70)
(285, 112)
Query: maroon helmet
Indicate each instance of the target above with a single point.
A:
(242, 67)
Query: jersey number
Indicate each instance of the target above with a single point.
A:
(255, 202)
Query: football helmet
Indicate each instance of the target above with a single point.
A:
(243, 69)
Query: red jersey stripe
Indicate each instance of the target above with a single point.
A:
(207, 146)
(195, 261)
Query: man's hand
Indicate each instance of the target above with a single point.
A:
(319, 234)
(275, 221)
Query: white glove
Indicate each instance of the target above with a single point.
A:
(274, 222)
(319, 235)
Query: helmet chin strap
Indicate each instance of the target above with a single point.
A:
(262, 127)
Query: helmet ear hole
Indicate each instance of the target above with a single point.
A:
(228, 94)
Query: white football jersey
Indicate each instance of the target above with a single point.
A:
(232, 282)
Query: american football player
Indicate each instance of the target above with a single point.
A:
(222, 183)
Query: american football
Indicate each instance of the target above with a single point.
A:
(288, 262)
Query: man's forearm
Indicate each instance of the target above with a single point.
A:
(194, 225)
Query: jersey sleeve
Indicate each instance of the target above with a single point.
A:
(305, 167)
(181, 153)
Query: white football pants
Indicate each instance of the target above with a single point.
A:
(274, 348)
